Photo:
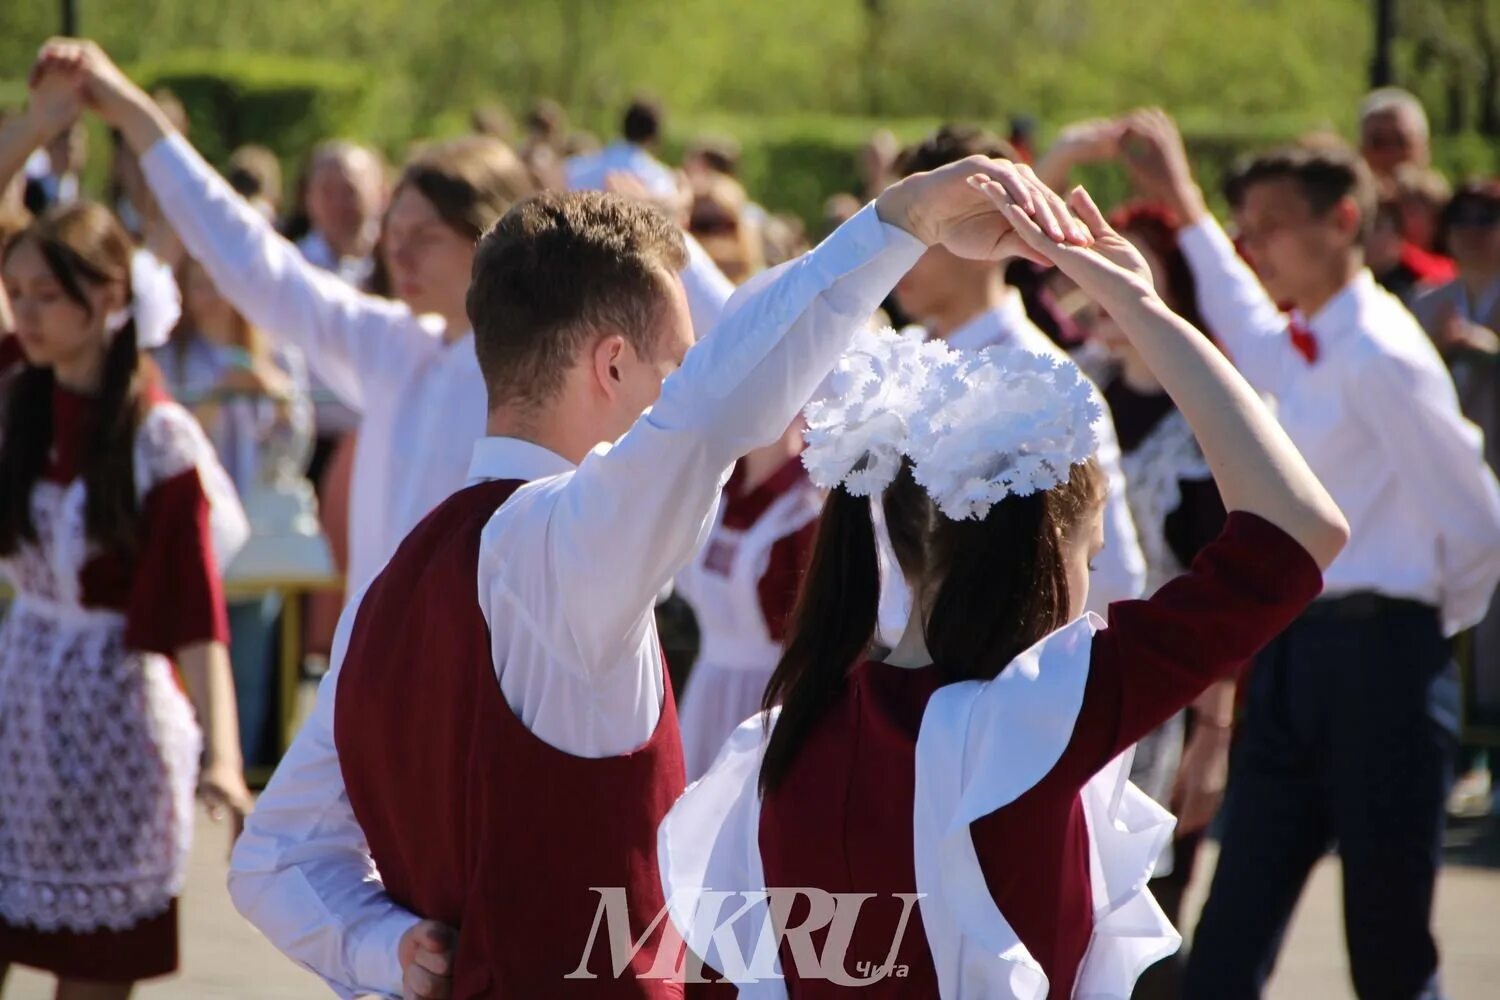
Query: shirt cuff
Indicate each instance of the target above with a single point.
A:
(377, 961)
(865, 242)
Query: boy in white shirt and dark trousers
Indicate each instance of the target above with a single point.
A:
(1349, 729)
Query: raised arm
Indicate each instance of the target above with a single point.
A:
(352, 341)
(1234, 304)
(1256, 466)
(53, 106)
(646, 501)
(1119, 571)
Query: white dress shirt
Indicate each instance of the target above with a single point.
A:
(1377, 419)
(1119, 572)
(422, 397)
(582, 672)
(333, 416)
(589, 171)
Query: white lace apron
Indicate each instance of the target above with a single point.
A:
(98, 745)
(738, 654)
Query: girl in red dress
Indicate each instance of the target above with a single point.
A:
(107, 540)
(955, 819)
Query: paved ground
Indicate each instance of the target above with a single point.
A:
(224, 958)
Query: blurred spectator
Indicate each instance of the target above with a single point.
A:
(546, 124)
(542, 148)
(712, 155)
(1393, 130)
(1422, 193)
(128, 194)
(492, 119)
(718, 221)
(783, 237)
(1414, 204)
(876, 163)
(633, 153)
(580, 142)
(255, 172)
(1023, 137)
(837, 210)
(252, 401)
(52, 171)
(345, 197)
(1463, 318)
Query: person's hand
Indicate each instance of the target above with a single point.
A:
(1089, 141)
(1155, 158)
(426, 956)
(54, 105)
(1201, 779)
(103, 85)
(222, 788)
(1111, 266)
(958, 206)
(1459, 335)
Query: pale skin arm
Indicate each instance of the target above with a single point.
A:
(1082, 142)
(1204, 772)
(53, 107)
(109, 91)
(1254, 463)
(210, 687)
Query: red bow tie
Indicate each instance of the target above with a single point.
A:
(1304, 341)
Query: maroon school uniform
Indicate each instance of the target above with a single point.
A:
(842, 819)
(98, 744)
(472, 819)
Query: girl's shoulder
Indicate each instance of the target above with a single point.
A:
(168, 442)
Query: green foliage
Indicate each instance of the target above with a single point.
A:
(283, 103)
(800, 84)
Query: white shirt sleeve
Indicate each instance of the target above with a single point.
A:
(302, 872)
(1441, 454)
(611, 535)
(353, 342)
(1238, 310)
(1119, 572)
(708, 290)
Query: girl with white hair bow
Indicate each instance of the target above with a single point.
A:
(955, 819)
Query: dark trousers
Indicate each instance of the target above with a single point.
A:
(1348, 739)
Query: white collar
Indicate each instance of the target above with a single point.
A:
(1340, 312)
(512, 458)
(1001, 325)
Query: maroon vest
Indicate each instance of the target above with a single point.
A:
(473, 820)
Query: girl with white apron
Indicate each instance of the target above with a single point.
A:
(742, 587)
(955, 820)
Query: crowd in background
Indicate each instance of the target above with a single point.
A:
(267, 408)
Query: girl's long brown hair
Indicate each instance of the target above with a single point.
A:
(996, 587)
(84, 246)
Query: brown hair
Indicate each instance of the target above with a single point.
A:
(949, 144)
(83, 245)
(255, 172)
(992, 588)
(556, 269)
(1326, 174)
(471, 181)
